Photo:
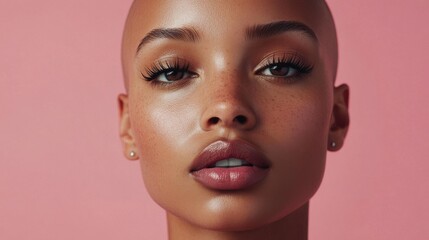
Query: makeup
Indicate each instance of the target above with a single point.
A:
(229, 165)
(230, 105)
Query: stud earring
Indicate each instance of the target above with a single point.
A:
(333, 144)
(132, 154)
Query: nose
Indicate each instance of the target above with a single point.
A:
(227, 111)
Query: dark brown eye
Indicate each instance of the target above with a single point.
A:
(172, 75)
(279, 70)
(168, 71)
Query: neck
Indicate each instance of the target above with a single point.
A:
(293, 226)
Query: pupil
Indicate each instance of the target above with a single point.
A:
(174, 75)
(279, 70)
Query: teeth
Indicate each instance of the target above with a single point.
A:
(231, 162)
(223, 163)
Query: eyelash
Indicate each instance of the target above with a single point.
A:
(159, 68)
(292, 61)
(180, 66)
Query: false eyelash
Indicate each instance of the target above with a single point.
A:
(159, 68)
(292, 60)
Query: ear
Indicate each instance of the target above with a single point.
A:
(340, 118)
(125, 131)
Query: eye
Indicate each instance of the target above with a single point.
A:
(284, 66)
(279, 70)
(171, 75)
(168, 72)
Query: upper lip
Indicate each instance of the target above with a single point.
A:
(221, 150)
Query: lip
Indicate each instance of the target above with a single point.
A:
(232, 178)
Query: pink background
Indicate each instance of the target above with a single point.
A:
(62, 175)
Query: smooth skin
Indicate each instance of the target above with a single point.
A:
(290, 116)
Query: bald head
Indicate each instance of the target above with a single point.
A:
(216, 23)
(199, 73)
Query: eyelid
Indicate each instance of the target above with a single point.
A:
(277, 57)
(165, 63)
(168, 62)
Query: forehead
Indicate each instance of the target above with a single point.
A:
(221, 14)
(220, 19)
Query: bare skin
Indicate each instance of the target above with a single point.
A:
(261, 72)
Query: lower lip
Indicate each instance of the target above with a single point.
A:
(235, 178)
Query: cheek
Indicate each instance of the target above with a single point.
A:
(297, 130)
(161, 129)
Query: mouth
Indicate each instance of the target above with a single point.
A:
(229, 163)
(233, 165)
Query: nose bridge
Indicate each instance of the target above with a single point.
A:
(225, 86)
(227, 100)
(226, 77)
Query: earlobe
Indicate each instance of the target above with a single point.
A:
(340, 119)
(125, 131)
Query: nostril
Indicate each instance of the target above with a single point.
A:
(213, 120)
(241, 119)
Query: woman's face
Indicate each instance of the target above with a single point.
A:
(248, 81)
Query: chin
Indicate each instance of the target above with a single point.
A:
(235, 212)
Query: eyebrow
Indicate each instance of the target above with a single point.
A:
(254, 32)
(275, 28)
(183, 34)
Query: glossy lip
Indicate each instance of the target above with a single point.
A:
(234, 178)
(221, 150)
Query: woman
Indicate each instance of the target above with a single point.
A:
(230, 108)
